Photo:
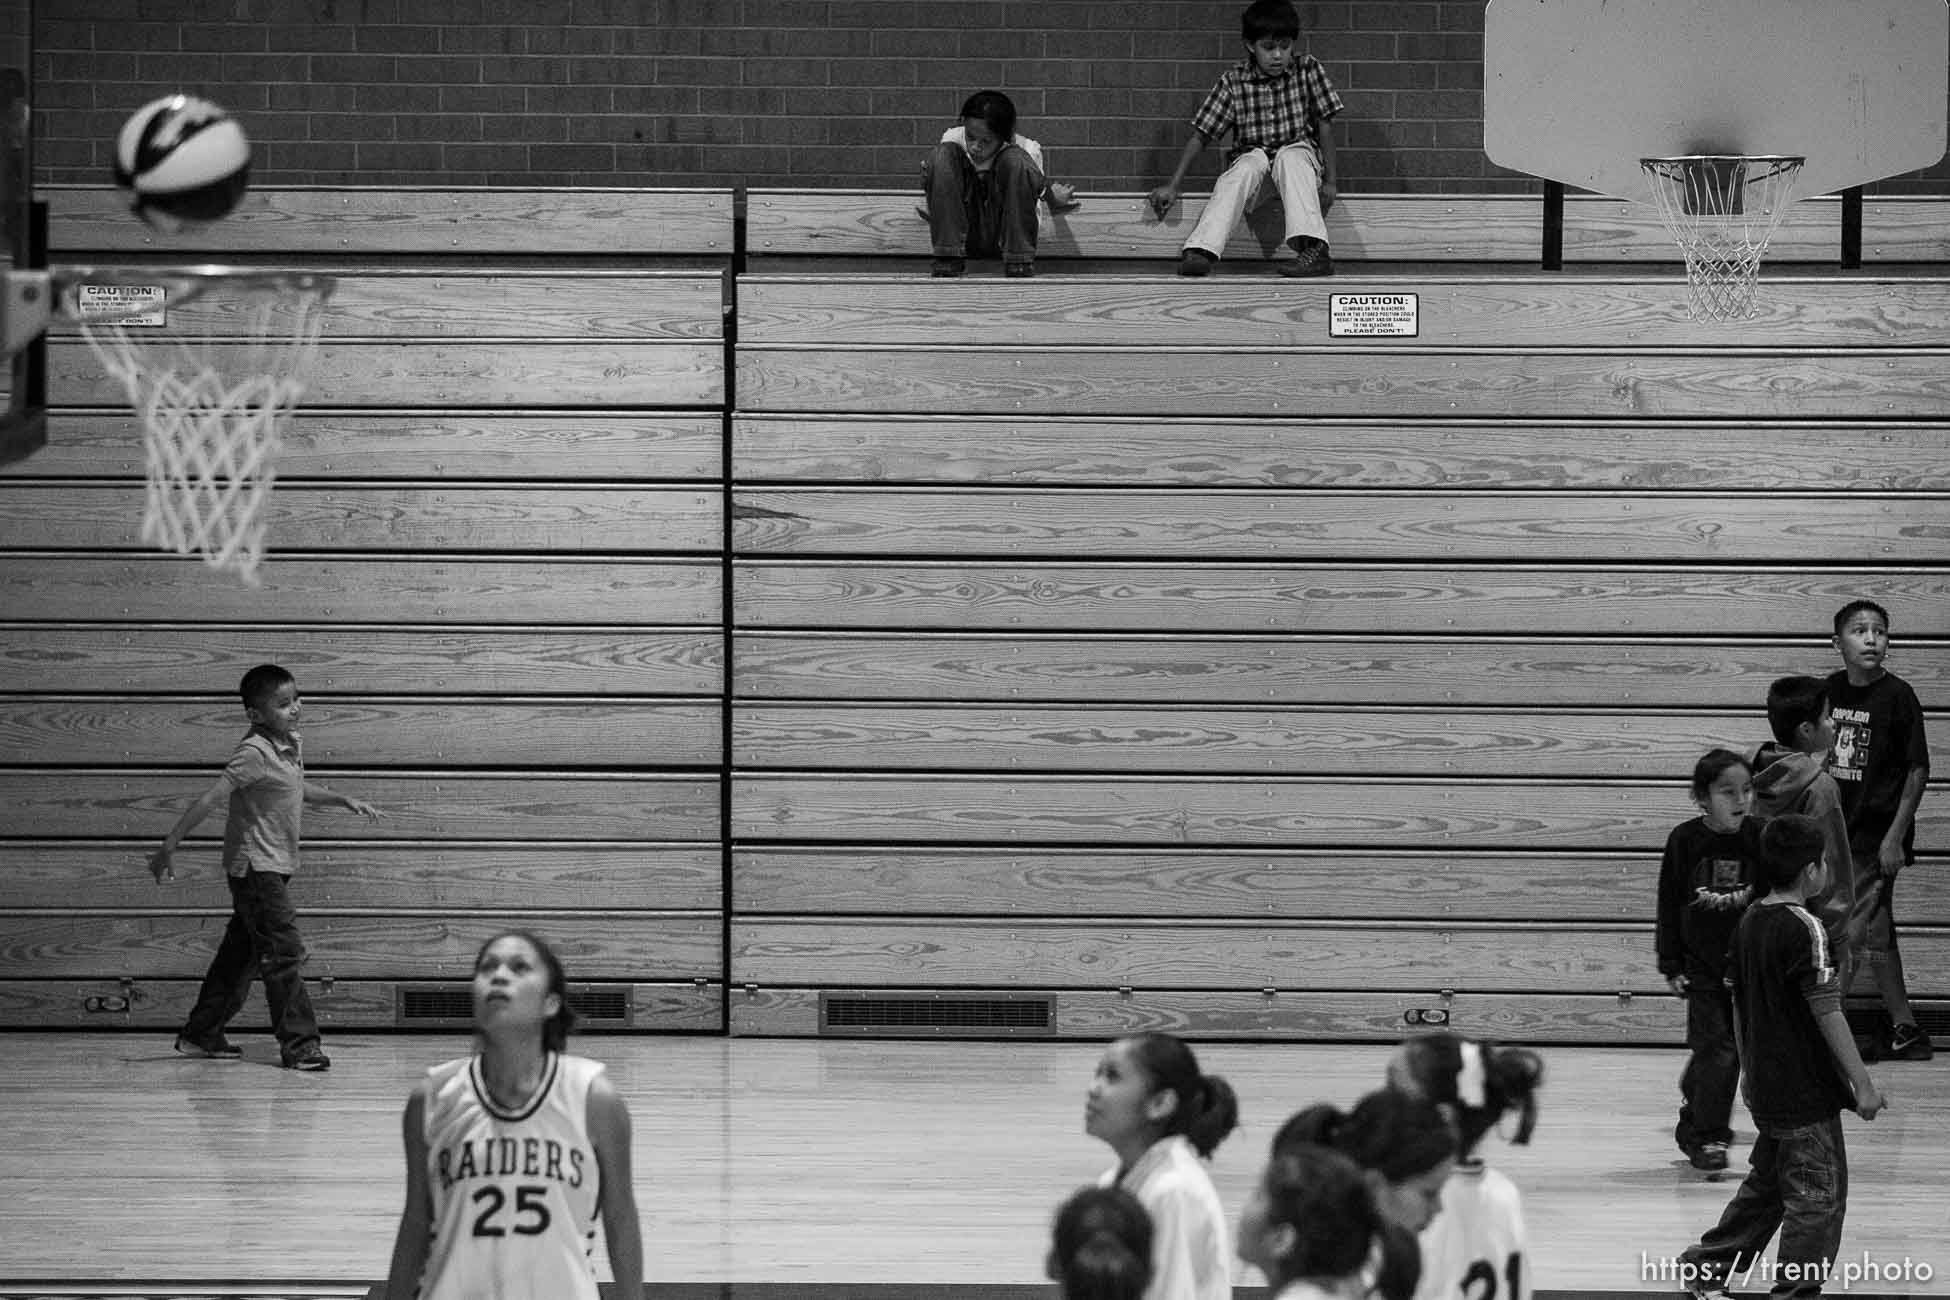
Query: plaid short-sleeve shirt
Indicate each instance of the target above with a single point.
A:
(1268, 112)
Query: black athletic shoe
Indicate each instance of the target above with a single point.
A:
(949, 268)
(311, 1062)
(1910, 1043)
(1195, 262)
(1709, 1156)
(214, 1048)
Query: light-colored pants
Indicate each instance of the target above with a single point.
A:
(1295, 170)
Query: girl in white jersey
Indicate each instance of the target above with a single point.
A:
(1476, 1248)
(1405, 1148)
(1313, 1226)
(513, 1153)
(1163, 1118)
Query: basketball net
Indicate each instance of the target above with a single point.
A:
(1722, 209)
(213, 409)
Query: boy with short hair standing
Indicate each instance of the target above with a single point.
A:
(1881, 763)
(265, 786)
(1789, 777)
(1798, 1071)
(1278, 108)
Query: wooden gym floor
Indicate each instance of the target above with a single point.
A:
(784, 1170)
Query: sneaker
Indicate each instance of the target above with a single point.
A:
(1910, 1043)
(311, 1062)
(1709, 1156)
(949, 268)
(1019, 270)
(1195, 262)
(214, 1048)
(1313, 260)
(1709, 1291)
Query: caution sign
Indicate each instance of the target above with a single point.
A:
(1372, 315)
(123, 304)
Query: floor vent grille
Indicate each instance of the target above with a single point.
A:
(944, 1015)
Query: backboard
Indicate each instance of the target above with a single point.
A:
(22, 425)
(1579, 90)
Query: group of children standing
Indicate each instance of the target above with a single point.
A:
(1387, 1198)
(1770, 903)
(984, 183)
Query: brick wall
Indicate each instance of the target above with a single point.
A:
(764, 92)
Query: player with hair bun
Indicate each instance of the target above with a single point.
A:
(1150, 1103)
(1476, 1246)
(1101, 1246)
(1313, 1226)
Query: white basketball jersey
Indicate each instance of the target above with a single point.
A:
(1475, 1249)
(514, 1193)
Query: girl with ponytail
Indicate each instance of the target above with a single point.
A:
(1152, 1106)
(1477, 1246)
(1406, 1150)
(1102, 1246)
(1313, 1227)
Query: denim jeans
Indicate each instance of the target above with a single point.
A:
(1797, 1181)
(981, 214)
(1712, 1073)
(261, 941)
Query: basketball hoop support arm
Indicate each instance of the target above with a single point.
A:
(26, 303)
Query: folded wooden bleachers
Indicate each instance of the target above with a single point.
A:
(494, 571)
(1107, 650)
(1135, 648)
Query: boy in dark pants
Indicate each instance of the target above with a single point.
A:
(1881, 764)
(1706, 880)
(1799, 1072)
(264, 784)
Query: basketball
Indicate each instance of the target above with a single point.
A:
(183, 160)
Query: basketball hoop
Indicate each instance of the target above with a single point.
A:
(212, 405)
(1722, 209)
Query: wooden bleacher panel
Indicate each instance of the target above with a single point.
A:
(175, 944)
(453, 730)
(416, 660)
(1113, 451)
(1287, 1015)
(1353, 526)
(1361, 228)
(1304, 668)
(452, 222)
(1166, 883)
(690, 1006)
(1258, 314)
(495, 569)
(1487, 600)
(522, 593)
(571, 875)
(1139, 645)
(581, 446)
(1178, 380)
(1382, 739)
(429, 805)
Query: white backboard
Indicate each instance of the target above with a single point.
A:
(1579, 90)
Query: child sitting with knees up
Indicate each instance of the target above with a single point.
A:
(983, 183)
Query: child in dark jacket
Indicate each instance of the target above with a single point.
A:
(1789, 777)
(1706, 881)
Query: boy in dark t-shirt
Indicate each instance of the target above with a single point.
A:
(1799, 1071)
(1880, 765)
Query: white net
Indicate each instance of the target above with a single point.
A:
(1722, 209)
(212, 405)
